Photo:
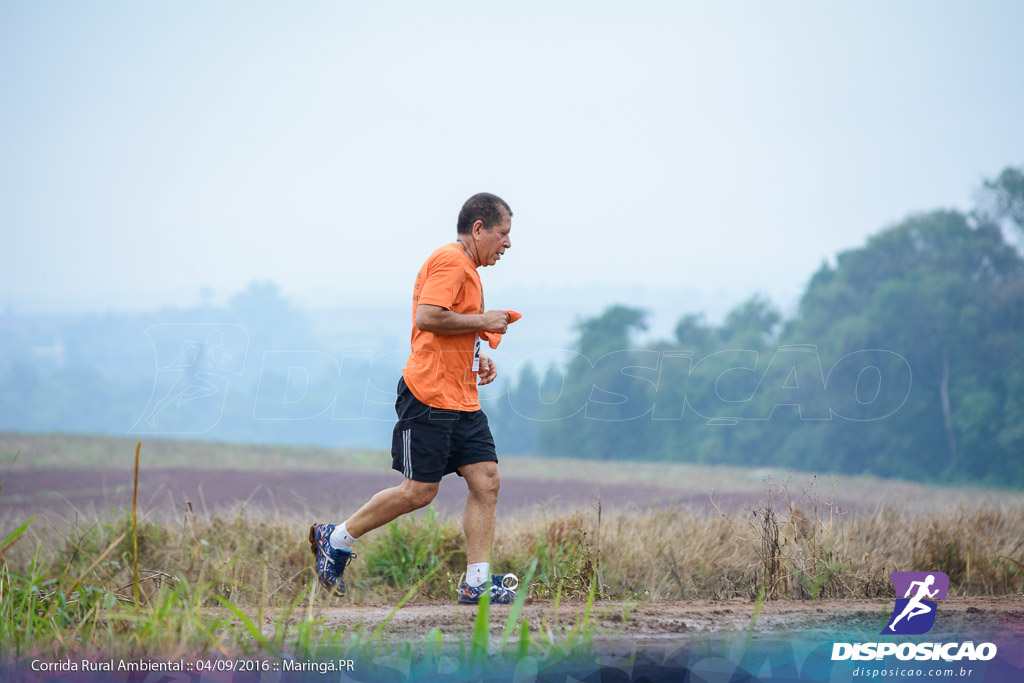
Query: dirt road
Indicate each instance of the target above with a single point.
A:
(622, 626)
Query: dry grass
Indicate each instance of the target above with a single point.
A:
(70, 588)
(784, 548)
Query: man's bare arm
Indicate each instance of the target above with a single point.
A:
(438, 320)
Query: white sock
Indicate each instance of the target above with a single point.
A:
(340, 538)
(477, 573)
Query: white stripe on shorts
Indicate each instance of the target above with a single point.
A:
(407, 453)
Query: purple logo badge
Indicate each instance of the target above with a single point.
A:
(916, 593)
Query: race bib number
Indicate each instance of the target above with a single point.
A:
(476, 355)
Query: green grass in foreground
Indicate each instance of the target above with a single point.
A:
(62, 616)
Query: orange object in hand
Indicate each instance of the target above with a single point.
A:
(493, 338)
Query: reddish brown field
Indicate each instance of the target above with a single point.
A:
(161, 491)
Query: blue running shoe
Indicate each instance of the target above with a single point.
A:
(330, 562)
(510, 581)
(503, 590)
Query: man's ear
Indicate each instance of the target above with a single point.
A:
(478, 228)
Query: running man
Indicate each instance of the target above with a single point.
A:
(915, 606)
(441, 428)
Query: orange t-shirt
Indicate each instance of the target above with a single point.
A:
(441, 369)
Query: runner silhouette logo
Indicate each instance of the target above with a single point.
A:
(914, 613)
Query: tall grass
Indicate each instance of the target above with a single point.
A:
(203, 584)
(789, 552)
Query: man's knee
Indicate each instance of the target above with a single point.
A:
(486, 484)
(493, 483)
(418, 494)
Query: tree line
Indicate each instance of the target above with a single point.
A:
(905, 358)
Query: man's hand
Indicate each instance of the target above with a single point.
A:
(495, 321)
(488, 370)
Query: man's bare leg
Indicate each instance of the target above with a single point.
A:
(483, 481)
(391, 504)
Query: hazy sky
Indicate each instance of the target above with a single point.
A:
(148, 149)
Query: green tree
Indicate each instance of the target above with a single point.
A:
(609, 331)
(1003, 198)
(753, 324)
(516, 420)
(603, 422)
(924, 289)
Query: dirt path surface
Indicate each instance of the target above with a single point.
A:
(621, 626)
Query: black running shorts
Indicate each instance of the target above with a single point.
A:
(429, 443)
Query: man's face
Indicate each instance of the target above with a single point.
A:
(491, 244)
